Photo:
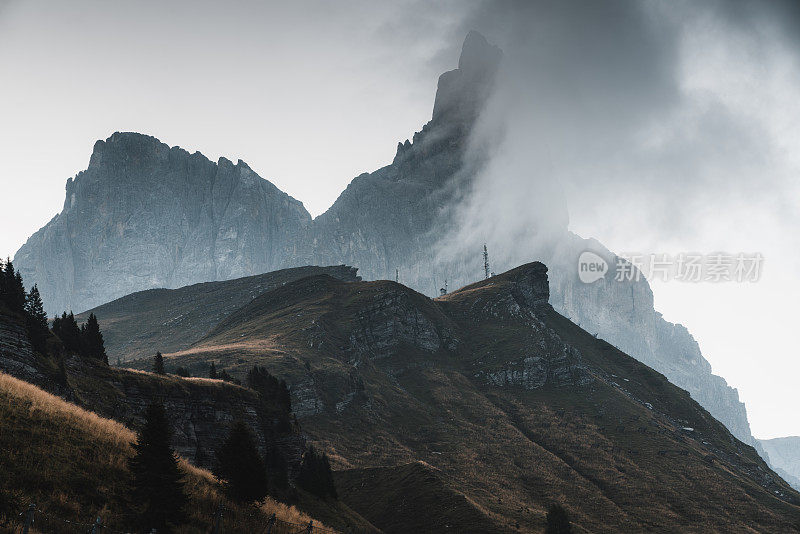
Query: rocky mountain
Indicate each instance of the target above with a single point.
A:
(144, 215)
(484, 405)
(784, 457)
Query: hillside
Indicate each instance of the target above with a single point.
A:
(510, 404)
(72, 464)
(137, 325)
(401, 499)
(200, 412)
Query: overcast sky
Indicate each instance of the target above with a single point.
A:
(672, 126)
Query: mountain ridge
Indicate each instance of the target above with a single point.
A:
(509, 402)
(388, 223)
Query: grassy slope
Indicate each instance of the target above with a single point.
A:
(616, 464)
(408, 494)
(137, 325)
(72, 464)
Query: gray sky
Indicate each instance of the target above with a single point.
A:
(671, 125)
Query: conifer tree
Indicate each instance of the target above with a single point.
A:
(315, 474)
(36, 320)
(212, 371)
(274, 392)
(241, 467)
(156, 480)
(557, 520)
(3, 290)
(277, 473)
(11, 288)
(92, 344)
(66, 328)
(158, 364)
(272, 389)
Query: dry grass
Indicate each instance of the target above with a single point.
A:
(73, 464)
(266, 345)
(41, 404)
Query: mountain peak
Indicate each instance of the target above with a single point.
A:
(128, 145)
(477, 55)
(461, 92)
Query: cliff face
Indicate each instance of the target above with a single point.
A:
(145, 215)
(784, 457)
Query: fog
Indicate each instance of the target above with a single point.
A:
(668, 127)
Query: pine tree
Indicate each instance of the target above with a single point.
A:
(36, 320)
(3, 290)
(13, 291)
(66, 328)
(212, 371)
(157, 482)
(272, 389)
(158, 364)
(275, 393)
(557, 520)
(277, 473)
(241, 467)
(315, 475)
(92, 344)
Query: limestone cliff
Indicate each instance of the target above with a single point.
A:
(144, 215)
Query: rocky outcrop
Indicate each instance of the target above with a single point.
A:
(520, 296)
(393, 320)
(145, 215)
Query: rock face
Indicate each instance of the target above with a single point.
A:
(144, 215)
(784, 457)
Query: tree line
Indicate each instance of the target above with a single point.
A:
(86, 339)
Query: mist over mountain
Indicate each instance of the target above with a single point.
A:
(144, 215)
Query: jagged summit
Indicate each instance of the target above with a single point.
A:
(146, 215)
(478, 57)
(461, 92)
